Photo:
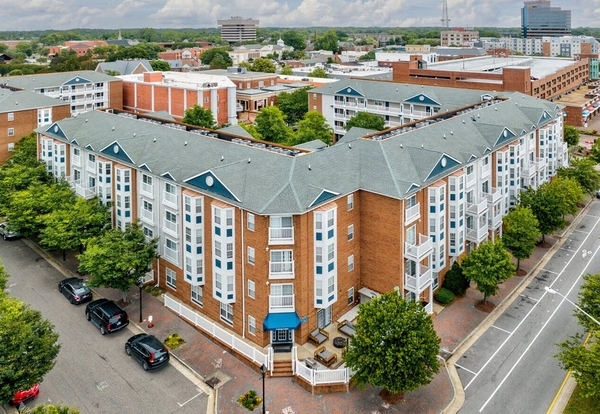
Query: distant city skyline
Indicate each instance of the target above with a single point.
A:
(160, 14)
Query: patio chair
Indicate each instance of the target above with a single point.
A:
(325, 356)
(318, 336)
(346, 327)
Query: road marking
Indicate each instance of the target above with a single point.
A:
(550, 271)
(527, 315)
(500, 329)
(580, 231)
(569, 250)
(538, 334)
(468, 370)
(200, 393)
(529, 297)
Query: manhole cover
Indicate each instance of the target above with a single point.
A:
(212, 383)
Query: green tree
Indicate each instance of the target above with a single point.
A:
(313, 126)
(569, 192)
(327, 41)
(520, 233)
(200, 116)
(117, 259)
(263, 65)
(488, 265)
(160, 65)
(317, 73)
(65, 61)
(27, 206)
(287, 71)
(366, 120)
(589, 301)
(370, 55)
(584, 172)
(395, 346)
(294, 105)
(209, 55)
(545, 206)
(111, 72)
(66, 229)
(455, 280)
(51, 409)
(294, 39)
(251, 129)
(570, 135)
(270, 124)
(28, 348)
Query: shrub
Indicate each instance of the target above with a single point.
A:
(174, 341)
(444, 296)
(250, 400)
(455, 280)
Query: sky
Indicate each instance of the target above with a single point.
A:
(124, 14)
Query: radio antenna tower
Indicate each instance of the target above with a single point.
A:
(445, 19)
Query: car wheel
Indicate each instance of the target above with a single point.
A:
(60, 288)
(145, 366)
(4, 236)
(127, 349)
(87, 316)
(102, 330)
(72, 300)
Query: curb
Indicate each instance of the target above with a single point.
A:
(459, 393)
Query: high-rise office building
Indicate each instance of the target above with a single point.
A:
(238, 29)
(539, 19)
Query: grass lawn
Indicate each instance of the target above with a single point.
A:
(579, 405)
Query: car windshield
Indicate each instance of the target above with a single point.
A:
(80, 290)
(154, 345)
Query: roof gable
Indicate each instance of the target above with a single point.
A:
(349, 91)
(444, 164)
(57, 130)
(324, 196)
(422, 99)
(77, 80)
(208, 181)
(506, 135)
(116, 151)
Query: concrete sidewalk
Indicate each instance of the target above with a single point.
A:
(458, 325)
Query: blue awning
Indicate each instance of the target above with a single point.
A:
(288, 320)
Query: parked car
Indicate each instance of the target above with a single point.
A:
(598, 193)
(25, 395)
(6, 232)
(148, 351)
(106, 315)
(74, 289)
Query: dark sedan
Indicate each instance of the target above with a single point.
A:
(75, 290)
(148, 351)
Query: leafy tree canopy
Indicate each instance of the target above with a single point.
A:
(270, 124)
(295, 39)
(209, 55)
(263, 65)
(395, 345)
(520, 233)
(118, 259)
(160, 65)
(200, 116)
(370, 55)
(318, 73)
(294, 105)
(571, 135)
(65, 61)
(313, 126)
(286, 70)
(327, 41)
(26, 337)
(455, 280)
(584, 172)
(488, 265)
(366, 120)
(51, 409)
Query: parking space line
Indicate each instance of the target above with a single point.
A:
(569, 250)
(581, 231)
(550, 271)
(529, 297)
(525, 317)
(500, 329)
(465, 369)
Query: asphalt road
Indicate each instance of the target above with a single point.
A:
(92, 371)
(511, 368)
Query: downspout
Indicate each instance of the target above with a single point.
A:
(243, 278)
(157, 271)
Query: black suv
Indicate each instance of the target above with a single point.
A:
(106, 315)
(148, 351)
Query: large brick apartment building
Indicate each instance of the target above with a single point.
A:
(269, 242)
(21, 112)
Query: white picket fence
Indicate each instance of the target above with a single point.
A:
(212, 329)
(318, 377)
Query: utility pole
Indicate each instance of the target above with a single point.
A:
(445, 19)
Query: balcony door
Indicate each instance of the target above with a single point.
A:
(324, 317)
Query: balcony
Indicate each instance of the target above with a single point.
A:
(471, 179)
(412, 213)
(147, 189)
(281, 270)
(171, 226)
(532, 169)
(477, 235)
(170, 198)
(494, 197)
(81, 190)
(147, 216)
(76, 159)
(485, 170)
(170, 254)
(284, 303)
(495, 222)
(281, 235)
(416, 283)
(477, 206)
(418, 252)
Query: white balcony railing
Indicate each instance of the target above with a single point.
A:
(81, 190)
(284, 303)
(147, 215)
(281, 270)
(417, 252)
(77, 159)
(169, 225)
(412, 213)
(485, 170)
(281, 235)
(416, 283)
(146, 188)
(471, 178)
(495, 221)
(478, 205)
(170, 197)
(170, 254)
(477, 235)
(494, 196)
(532, 169)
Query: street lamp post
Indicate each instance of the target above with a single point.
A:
(263, 371)
(554, 292)
(140, 284)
